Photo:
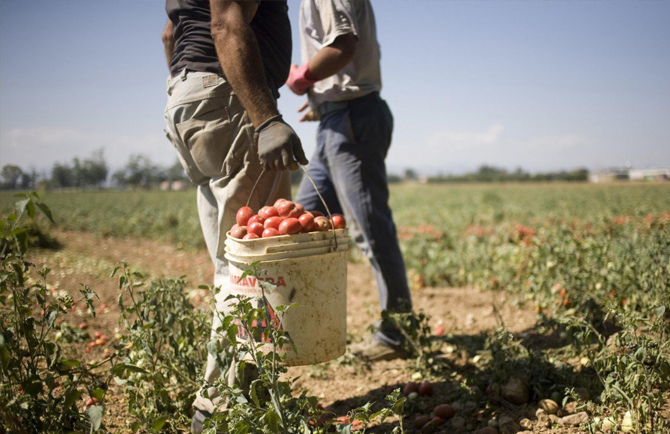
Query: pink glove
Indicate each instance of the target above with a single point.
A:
(300, 79)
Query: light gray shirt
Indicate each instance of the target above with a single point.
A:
(321, 22)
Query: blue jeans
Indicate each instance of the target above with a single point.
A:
(348, 169)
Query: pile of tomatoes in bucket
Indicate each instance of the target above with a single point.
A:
(282, 218)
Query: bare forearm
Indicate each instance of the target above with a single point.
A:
(237, 49)
(332, 58)
(168, 42)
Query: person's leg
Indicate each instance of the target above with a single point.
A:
(215, 142)
(357, 144)
(318, 170)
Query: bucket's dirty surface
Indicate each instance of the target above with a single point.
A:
(304, 269)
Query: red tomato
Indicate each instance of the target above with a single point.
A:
(238, 231)
(343, 419)
(284, 208)
(410, 387)
(278, 201)
(322, 223)
(290, 226)
(273, 222)
(426, 388)
(307, 222)
(339, 222)
(243, 215)
(256, 218)
(270, 232)
(444, 411)
(297, 211)
(250, 236)
(83, 326)
(421, 420)
(268, 211)
(255, 228)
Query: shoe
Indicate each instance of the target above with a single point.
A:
(198, 420)
(374, 351)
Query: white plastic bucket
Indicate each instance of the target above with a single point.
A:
(307, 269)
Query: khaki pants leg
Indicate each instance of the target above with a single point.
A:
(215, 142)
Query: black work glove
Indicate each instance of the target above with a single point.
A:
(279, 147)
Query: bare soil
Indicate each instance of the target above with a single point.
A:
(464, 313)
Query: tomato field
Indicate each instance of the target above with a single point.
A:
(542, 308)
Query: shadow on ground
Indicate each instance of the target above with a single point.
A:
(472, 378)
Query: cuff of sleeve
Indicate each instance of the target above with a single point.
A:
(338, 31)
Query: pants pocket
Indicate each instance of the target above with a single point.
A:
(212, 139)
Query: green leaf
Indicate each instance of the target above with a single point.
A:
(253, 393)
(46, 211)
(71, 396)
(18, 271)
(158, 424)
(51, 318)
(94, 414)
(133, 368)
(22, 204)
(33, 386)
(121, 368)
(398, 406)
(273, 420)
(98, 393)
(67, 365)
(4, 352)
(30, 209)
(344, 428)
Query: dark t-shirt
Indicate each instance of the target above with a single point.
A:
(195, 51)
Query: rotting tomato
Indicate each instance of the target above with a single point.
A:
(238, 231)
(284, 208)
(322, 223)
(297, 211)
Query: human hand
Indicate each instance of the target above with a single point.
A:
(279, 147)
(299, 79)
(309, 115)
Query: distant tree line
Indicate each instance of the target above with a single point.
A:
(487, 173)
(92, 173)
(140, 172)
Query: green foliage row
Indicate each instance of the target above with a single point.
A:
(592, 259)
(42, 384)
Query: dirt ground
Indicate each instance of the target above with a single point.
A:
(341, 385)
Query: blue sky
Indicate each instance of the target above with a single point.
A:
(545, 85)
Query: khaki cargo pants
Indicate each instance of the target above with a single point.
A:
(215, 143)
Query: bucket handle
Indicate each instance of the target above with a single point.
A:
(332, 227)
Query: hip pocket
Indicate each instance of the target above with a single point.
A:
(214, 142)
